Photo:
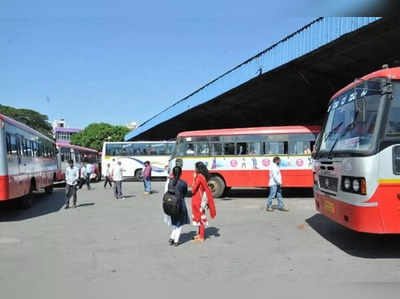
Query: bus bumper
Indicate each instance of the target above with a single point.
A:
(359, 218)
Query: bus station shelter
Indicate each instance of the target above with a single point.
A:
(289, 83)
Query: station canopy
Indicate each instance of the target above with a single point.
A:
(290, 83)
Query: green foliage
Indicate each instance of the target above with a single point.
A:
(31, 118)
(95, 134)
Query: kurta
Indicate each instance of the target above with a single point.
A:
(200, 187)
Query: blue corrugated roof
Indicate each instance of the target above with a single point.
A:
(309, 38)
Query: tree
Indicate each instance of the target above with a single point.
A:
(31, 118)
(95, 134)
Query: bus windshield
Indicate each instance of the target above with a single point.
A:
(351, 122)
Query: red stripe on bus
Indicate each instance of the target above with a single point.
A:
(3, 187)
(384, 218)
(254, 131)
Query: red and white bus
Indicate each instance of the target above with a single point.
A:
(357, 161)
(242, 157)
(79, 155)
(27, 161)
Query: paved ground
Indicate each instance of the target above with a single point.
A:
(118, 249)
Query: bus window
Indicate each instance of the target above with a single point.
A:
(275, 148)
(18, 146)
(189, 149)
(8, 142)
(241, 148)
(180, 148)
(393, 123)
(254, 148)
(170, 148)
(229, 148)
(202, 149)
(216, 149)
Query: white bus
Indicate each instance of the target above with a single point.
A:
(357, 159)
(133, 155)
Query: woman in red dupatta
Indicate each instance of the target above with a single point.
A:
(201, 199)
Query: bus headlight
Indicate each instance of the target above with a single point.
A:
(346, 184)
(356, 185)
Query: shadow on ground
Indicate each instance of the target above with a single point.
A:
(264, 192)
(211, 232)
(355, 243)
(43, 204)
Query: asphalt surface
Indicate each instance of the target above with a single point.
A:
(118, 249)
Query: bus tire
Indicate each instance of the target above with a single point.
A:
(217, 186)
(139, 174)
(227, 191)
(49, 189)
(27, 201)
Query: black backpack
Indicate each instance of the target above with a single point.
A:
(171, 202)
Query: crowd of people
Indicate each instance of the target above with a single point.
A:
(76, 177)
(176, 213)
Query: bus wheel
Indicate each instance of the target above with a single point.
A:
(26, 201)
(138, 174)
(49, 189)
(217, 186)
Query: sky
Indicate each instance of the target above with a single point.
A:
(123, 61)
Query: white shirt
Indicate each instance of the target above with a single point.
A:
(275, 177)
(83, 171)
(108, 171)
(71, 175)
(117, 173)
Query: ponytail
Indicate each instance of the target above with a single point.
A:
(176, 171)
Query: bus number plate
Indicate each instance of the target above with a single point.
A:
(329, 206)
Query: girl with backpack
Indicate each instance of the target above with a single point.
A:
(179, 188)
(201, 199)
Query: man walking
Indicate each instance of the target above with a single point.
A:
(116, 175)
(108, 176)
(147, 177)
(71, 180)
(275, 182)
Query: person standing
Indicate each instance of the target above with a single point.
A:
(275, 182)
(201, 199)
(179, 187)
(147, 177)
(82, 176)
(71, 182)
(108, 176)
(116, 175)
(88, 174)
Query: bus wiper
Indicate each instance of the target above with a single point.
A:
(346, 129)
(333, 130)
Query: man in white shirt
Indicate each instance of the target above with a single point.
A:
(71, 182)
(116, 175)
(275, 182)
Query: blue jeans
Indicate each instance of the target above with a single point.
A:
(147, 185)
(275, 191)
